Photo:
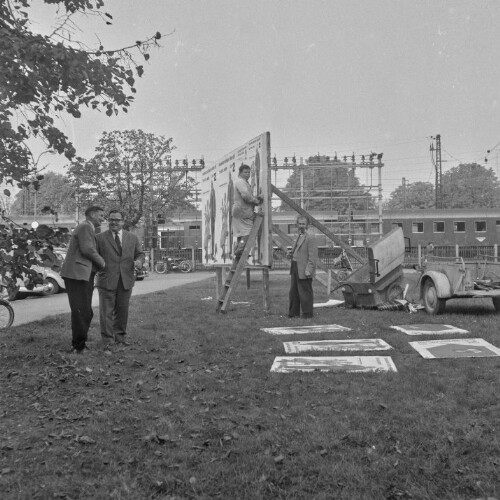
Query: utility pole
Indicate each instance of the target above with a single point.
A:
(404, 193)
(437, 162)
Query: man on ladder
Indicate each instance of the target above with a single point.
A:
(243, 209)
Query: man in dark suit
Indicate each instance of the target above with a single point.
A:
(304, 255)
(122, 252)
(78, 270)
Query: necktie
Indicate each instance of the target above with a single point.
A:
(118, 243)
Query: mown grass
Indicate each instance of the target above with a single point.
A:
(191, 410)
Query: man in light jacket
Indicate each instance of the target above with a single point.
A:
(78, 271)
(304, 255)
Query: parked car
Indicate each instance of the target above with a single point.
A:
(141, 273)
(52, 284)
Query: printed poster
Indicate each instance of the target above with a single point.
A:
(429, 329)
(217, 201)
(294, 330)
(336, 345)
(353, 364)
(455, 348)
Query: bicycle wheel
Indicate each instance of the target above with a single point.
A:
(161, 267)
(185, 266)
(6, 314)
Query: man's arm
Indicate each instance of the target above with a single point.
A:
(312, 257)
(88, 247)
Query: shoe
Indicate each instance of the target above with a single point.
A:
(79, 351)
(292, 315)
(120, 339)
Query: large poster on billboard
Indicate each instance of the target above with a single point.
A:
(217, 186)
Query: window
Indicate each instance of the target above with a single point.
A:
(417, 227)
(397, 224)
(438, 226)
(374, 227)
(459, 227)
(480, 226)
(197, 226)
(498, 225)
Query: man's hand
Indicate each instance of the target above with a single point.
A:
(138, 264)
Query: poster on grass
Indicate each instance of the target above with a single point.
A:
(294, 330)
(336, 345)
(217, 185)
(352, 364)
(455, 348)
(429, 329)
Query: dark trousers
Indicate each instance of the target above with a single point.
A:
(301, 294)
(80, 303)
(113, 310)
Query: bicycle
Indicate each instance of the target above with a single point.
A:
(6, 311)
(173, 264)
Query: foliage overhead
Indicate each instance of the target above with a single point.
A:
(55, 195)
(44, 76)
(132, 170)
(330, 189)
(412, 196)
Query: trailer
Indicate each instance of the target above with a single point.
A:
(381, 278)
(442, 280)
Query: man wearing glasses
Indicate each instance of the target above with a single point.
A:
(122, 253)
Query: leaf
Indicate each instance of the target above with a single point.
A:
(146, 56)
(6, 192)
(85, 440)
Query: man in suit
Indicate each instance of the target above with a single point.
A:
(122, 252)
(78, 271)
(304, 255)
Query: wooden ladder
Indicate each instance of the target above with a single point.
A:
(238, 265)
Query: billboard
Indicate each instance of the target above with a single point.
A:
(217, 185)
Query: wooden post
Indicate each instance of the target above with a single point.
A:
(265, 288)
(218, 281)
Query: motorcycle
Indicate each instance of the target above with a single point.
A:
(173, 264)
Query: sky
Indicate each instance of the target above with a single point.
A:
(333, 76)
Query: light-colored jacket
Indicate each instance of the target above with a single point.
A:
(306, 256)
(82, 257)
(118, 265)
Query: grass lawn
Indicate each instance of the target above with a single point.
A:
(191, 410)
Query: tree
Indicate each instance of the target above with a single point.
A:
(470, 185)
(328, 189)
(132, 170)
(411, 196)
(44, 76)
(55, 194)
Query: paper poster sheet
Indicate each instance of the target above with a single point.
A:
(455, 348)
(353, 364)
(429, 329)
(294, 330)
(217, 186)
(336, 345)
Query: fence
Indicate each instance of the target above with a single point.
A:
(327, 256)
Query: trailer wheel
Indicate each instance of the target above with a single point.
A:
(432, 303)
(496, 303)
